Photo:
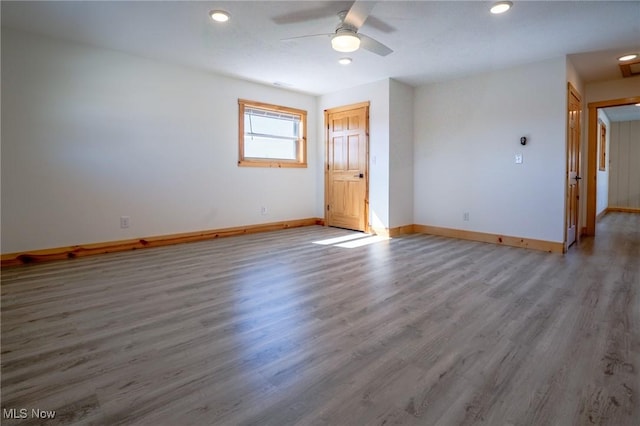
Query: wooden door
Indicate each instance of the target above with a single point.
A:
(347, 172)
(573, 167)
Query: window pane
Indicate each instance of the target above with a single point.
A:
(275, 126)
(264, 147)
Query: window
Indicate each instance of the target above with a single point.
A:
(602, 163)
(271, 135)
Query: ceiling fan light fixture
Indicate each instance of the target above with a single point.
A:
(501, 7)
(628, 57)
(345, 42)
(219, 15)
(345, 61)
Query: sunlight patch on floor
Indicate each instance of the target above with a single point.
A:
(352, 240)
(337, 240)
(363, 241)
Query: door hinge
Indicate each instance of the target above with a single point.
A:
(327, 167)
(327, 207)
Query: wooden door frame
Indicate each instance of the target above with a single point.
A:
(571, 90)
(367, 224)
(592, 157)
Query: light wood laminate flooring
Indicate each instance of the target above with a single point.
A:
(275, 329)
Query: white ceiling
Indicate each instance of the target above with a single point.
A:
(432, 41)
(623, 113)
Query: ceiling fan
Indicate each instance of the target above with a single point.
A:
(346, 37)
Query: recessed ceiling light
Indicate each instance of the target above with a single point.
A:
(500, 7)
(345, 61)
(219, 15)
(628, 57)
(638, 104)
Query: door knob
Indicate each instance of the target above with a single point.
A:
(361, 175)
(577, 178)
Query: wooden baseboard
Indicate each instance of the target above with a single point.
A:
(383, 232)
(548, 246)
(71, 252)
(401, 230)
(623, 209)
(393, 232)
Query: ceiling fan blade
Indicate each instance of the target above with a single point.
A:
(326, 10)
(374, 46)
(307, 36)
(380, 25)
(358, 13)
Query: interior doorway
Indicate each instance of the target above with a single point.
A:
(592, 157)
(347, 167)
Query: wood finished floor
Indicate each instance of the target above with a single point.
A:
(272, 329)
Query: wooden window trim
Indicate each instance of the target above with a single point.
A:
(301, 144)
(602, 159)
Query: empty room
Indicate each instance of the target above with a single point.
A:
(320, 213)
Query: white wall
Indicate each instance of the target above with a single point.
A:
(89, 135)
(624, 177)
(602, 187)
(574, 78)
(467, 133)
(377, 94)
(400, 154)
(612, 89)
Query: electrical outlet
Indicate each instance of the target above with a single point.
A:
(125, 221)
(465, 216)
(263, 211)
(518, 158)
